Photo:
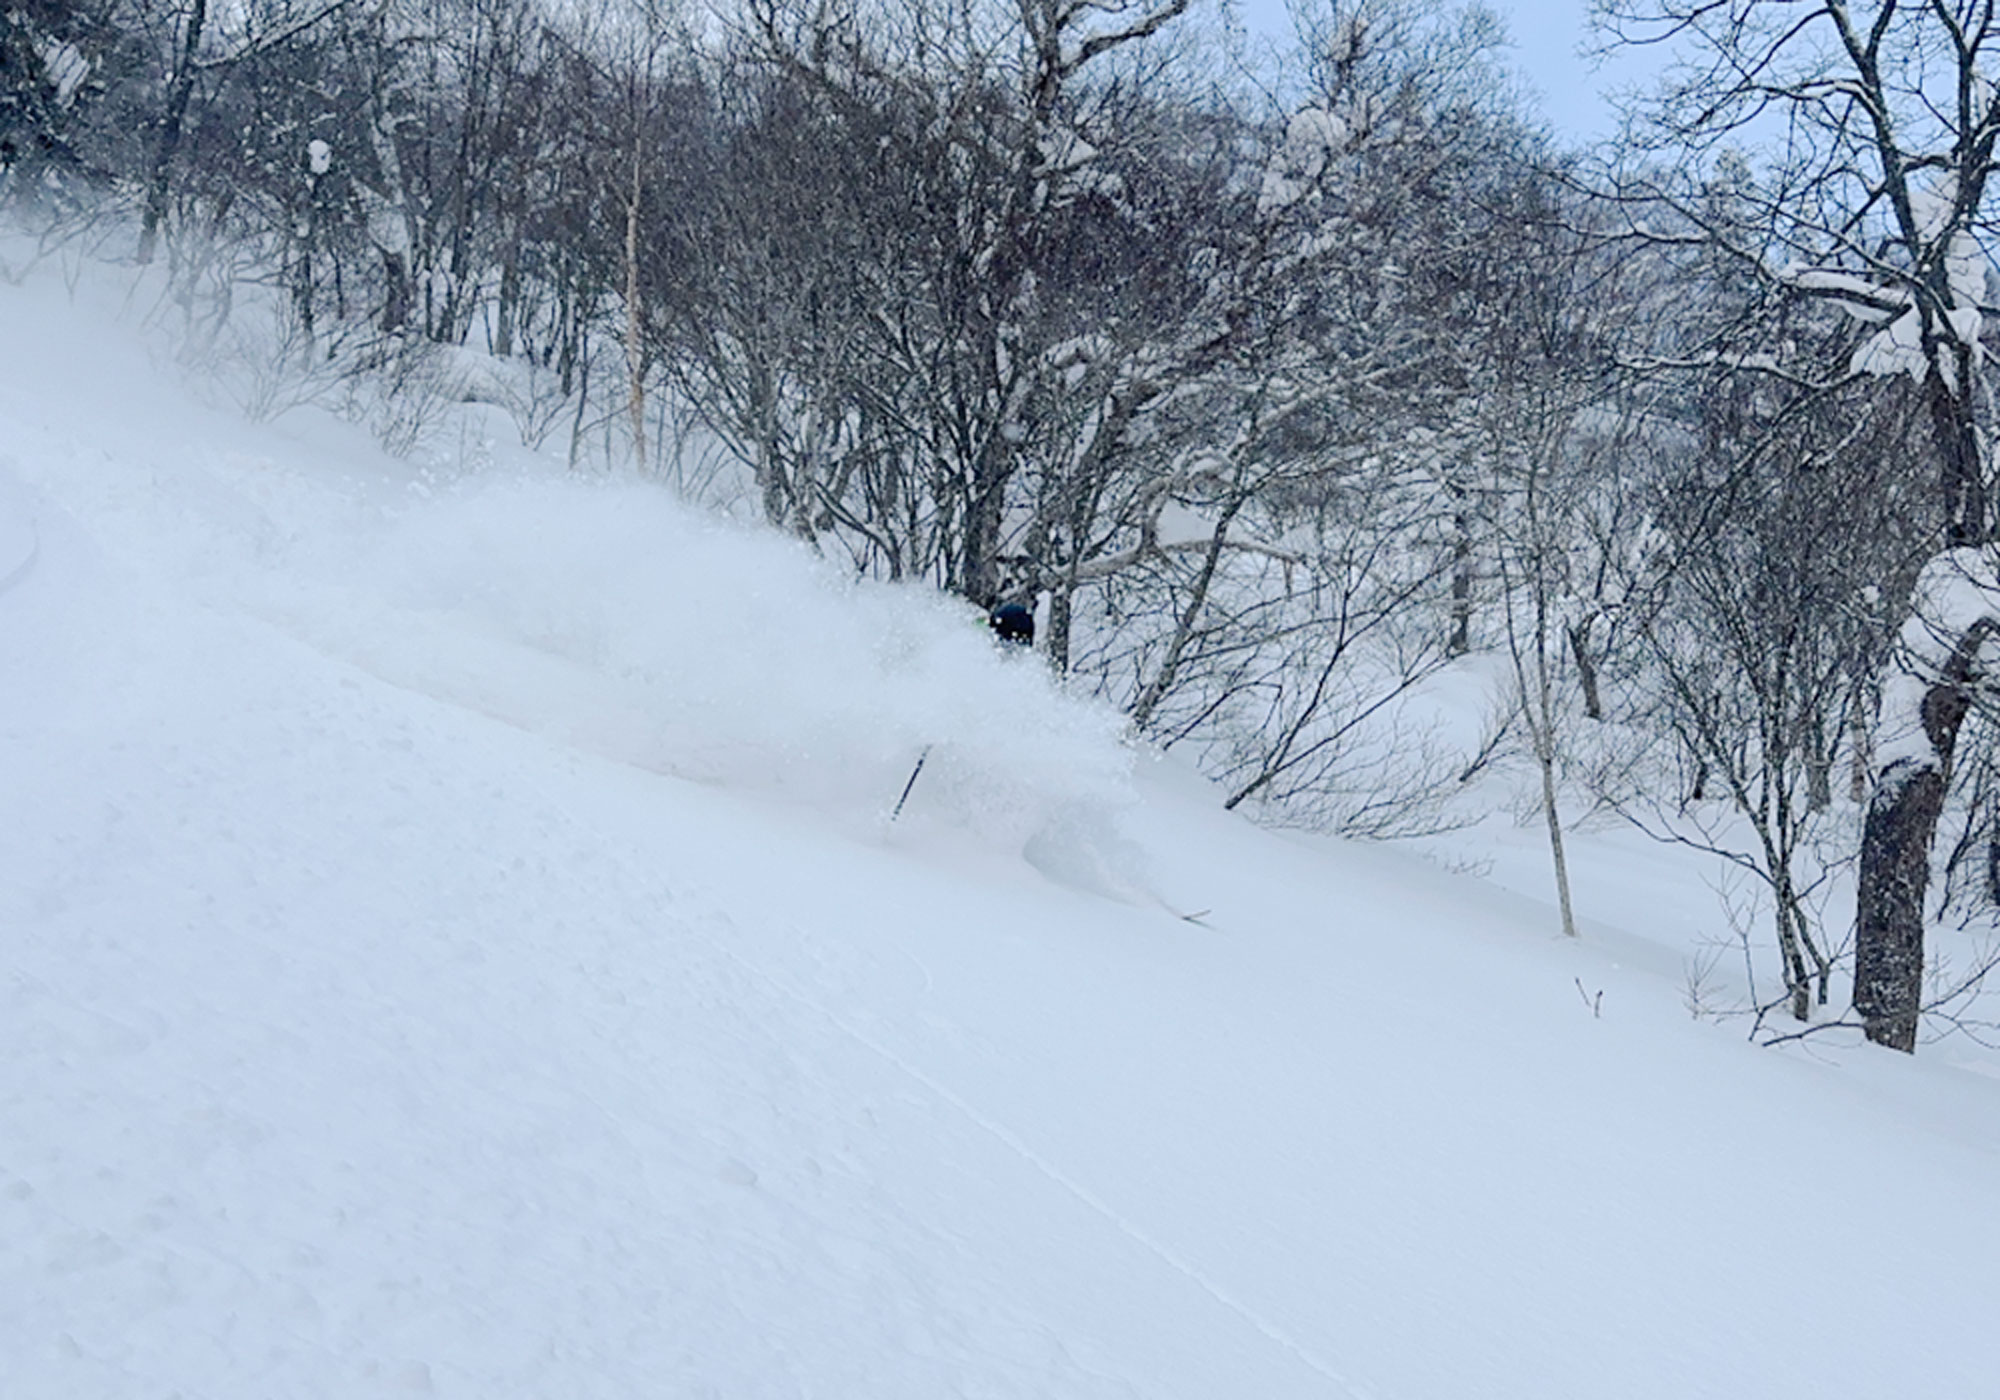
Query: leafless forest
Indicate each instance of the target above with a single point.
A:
(1284, 383)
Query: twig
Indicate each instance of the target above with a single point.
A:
(1812, 1030)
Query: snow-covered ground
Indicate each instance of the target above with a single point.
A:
(451, 942)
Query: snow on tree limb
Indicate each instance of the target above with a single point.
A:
(1954, 613)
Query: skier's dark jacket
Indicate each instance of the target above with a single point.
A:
(1014, 624)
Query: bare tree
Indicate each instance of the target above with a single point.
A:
(1880, 130)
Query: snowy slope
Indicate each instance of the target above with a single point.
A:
(452, 945)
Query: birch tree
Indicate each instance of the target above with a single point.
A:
(1871, 128)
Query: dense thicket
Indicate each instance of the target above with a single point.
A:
(1277, 395)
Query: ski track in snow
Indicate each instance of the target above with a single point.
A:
(20, 542)
(103, 1245)
(1009, 1138)
(1020, 1148)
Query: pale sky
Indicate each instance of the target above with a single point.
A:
(1546, 37)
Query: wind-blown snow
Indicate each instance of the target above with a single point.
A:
(618, 620)
(451, 946)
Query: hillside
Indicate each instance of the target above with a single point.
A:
(454, 944)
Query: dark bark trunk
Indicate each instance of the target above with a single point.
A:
(1963, 481)
(510, 301)
(1861, 750)
(582, 401)
(635, 358)
(570, 319)
(1819, 769)
(1586, 668)
(1993, 852)
(396, 302)
(179, 93)
(1909, 793)
(1889, 934)
(1460, 640)
(302, 291)
(980, 581)
(1896, 860)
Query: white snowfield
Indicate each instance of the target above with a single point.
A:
(451, 943)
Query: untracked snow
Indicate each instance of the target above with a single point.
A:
(452, 941)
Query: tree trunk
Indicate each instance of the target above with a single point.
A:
(985, 509)
(582, 367)
(302, 290)
(1542, 721)
(1909, 793)
(1798, 978)
(1861, 748)
(510, 300)
(1819, 768)
(1162, 683)
(396, 297)
(1889, 933)
(1896, 858)
(635, 369)
(179, 93)
(1963, 482)
(1545, 757)
(1586, 668)
(1993, 852)
(1057, 643)
(1460, 640)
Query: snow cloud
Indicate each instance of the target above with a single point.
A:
(612, 617)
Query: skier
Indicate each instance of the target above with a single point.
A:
(1013, 624)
